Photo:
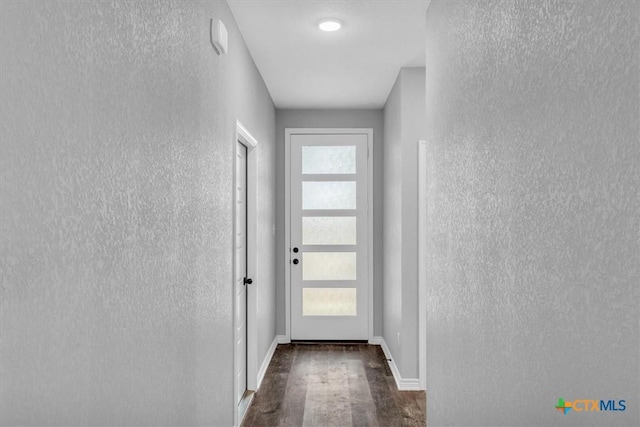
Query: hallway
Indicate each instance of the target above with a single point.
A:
(496, 253)
(333, 385)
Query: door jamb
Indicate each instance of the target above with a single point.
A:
(422, 264)
(287, 215)
(245, 138)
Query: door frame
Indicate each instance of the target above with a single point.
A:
(243, 136)
(287, 215)
(422, 263)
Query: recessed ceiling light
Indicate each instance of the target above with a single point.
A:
(330, 25)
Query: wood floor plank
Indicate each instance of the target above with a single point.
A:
(327, 402)
(338, 403)
(315, 405)
(296, 391)
(363, 408)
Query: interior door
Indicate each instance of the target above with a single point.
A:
(329, 238)
(240, 242)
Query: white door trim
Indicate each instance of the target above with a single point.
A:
(245, 137)
(287, 213)
(422, 264)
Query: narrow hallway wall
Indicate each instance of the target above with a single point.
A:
(403, 128)
(116, 159)
(533, 211)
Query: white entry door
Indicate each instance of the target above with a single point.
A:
(329, 236)
(240, 242)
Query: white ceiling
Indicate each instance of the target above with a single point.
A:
(354, 67)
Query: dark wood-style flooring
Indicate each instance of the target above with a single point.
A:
(338, 385)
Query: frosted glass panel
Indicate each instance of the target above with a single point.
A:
(329, 230)
(329, 195)
(328, 159)
(329, 266)
(329, 302)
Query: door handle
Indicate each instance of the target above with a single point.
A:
(295, 261)
(248, 281)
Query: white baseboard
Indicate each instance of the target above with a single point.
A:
(376, 340)
(266, 361)
(283, 339)
(403, 384)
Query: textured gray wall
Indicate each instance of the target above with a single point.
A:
(330, 119)
(403, 127)
(116, 159)
(533, 211)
